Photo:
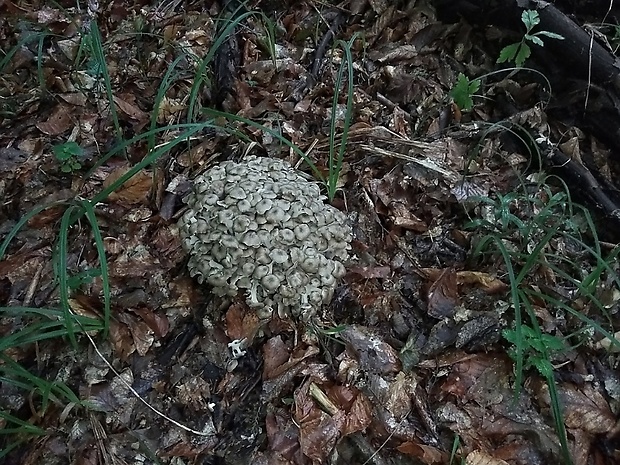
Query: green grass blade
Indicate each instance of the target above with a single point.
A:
(120, 147)
(103, 263)
(148, 160)
(200, 75)
(63, 272)
(336, 159)
(8, 56)
(99, 56)
(516, 303)
(556, 409)
(20, 224)
(25, 427)
(161, 93)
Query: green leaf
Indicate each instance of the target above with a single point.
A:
(67, 150)
(530, 18)
(508, 53)
(463, 91)
(62, 155)
(84, 277)
(523, 54)
(543, 366)
(510, 335)
(553, 343)
(534, 39)
(474, 86)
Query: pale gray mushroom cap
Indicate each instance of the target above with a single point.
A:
(262, 227)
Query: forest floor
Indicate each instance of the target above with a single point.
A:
(476, 321)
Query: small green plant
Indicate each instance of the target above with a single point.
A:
(529, 230)
(463, 91)
(90, 57)
(536, 348)
(521, 51)
(336, 154)
(68, 155)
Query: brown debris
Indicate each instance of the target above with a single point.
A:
(411, 358)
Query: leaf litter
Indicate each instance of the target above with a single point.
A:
(408, 363)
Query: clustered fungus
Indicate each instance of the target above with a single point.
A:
(261, 227)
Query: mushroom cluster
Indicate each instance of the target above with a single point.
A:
(261, 227)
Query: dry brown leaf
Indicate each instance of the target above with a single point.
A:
(586, 409)
(241, 322)
(275, 354)
(401, 216)
(121, 339)
(135, 260)
(478, 457)
(318, 431)
(187, 449)
(443, 295)
(299, 355)
(140, 332)
(466, 374)
(394, 395)
(134, 191)
(127, 105)
(428, 455)
(359, 416)
(283, 436)
(157, 323)
(485, 281)
(58, 122)
(168, 109)
(75, 98)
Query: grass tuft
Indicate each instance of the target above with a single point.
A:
(524, 230)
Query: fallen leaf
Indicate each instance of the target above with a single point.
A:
(443, 295)
(283, 435)
(241, 323)
(401, 216)
(585, 409)
(488, 283)
(318, 431)
(140, 332)
(373, 354)
(428, 455)
(58, 122)
(130, 108)
(478, 457)
(276, 353)
(133, 191)
(157, 323)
